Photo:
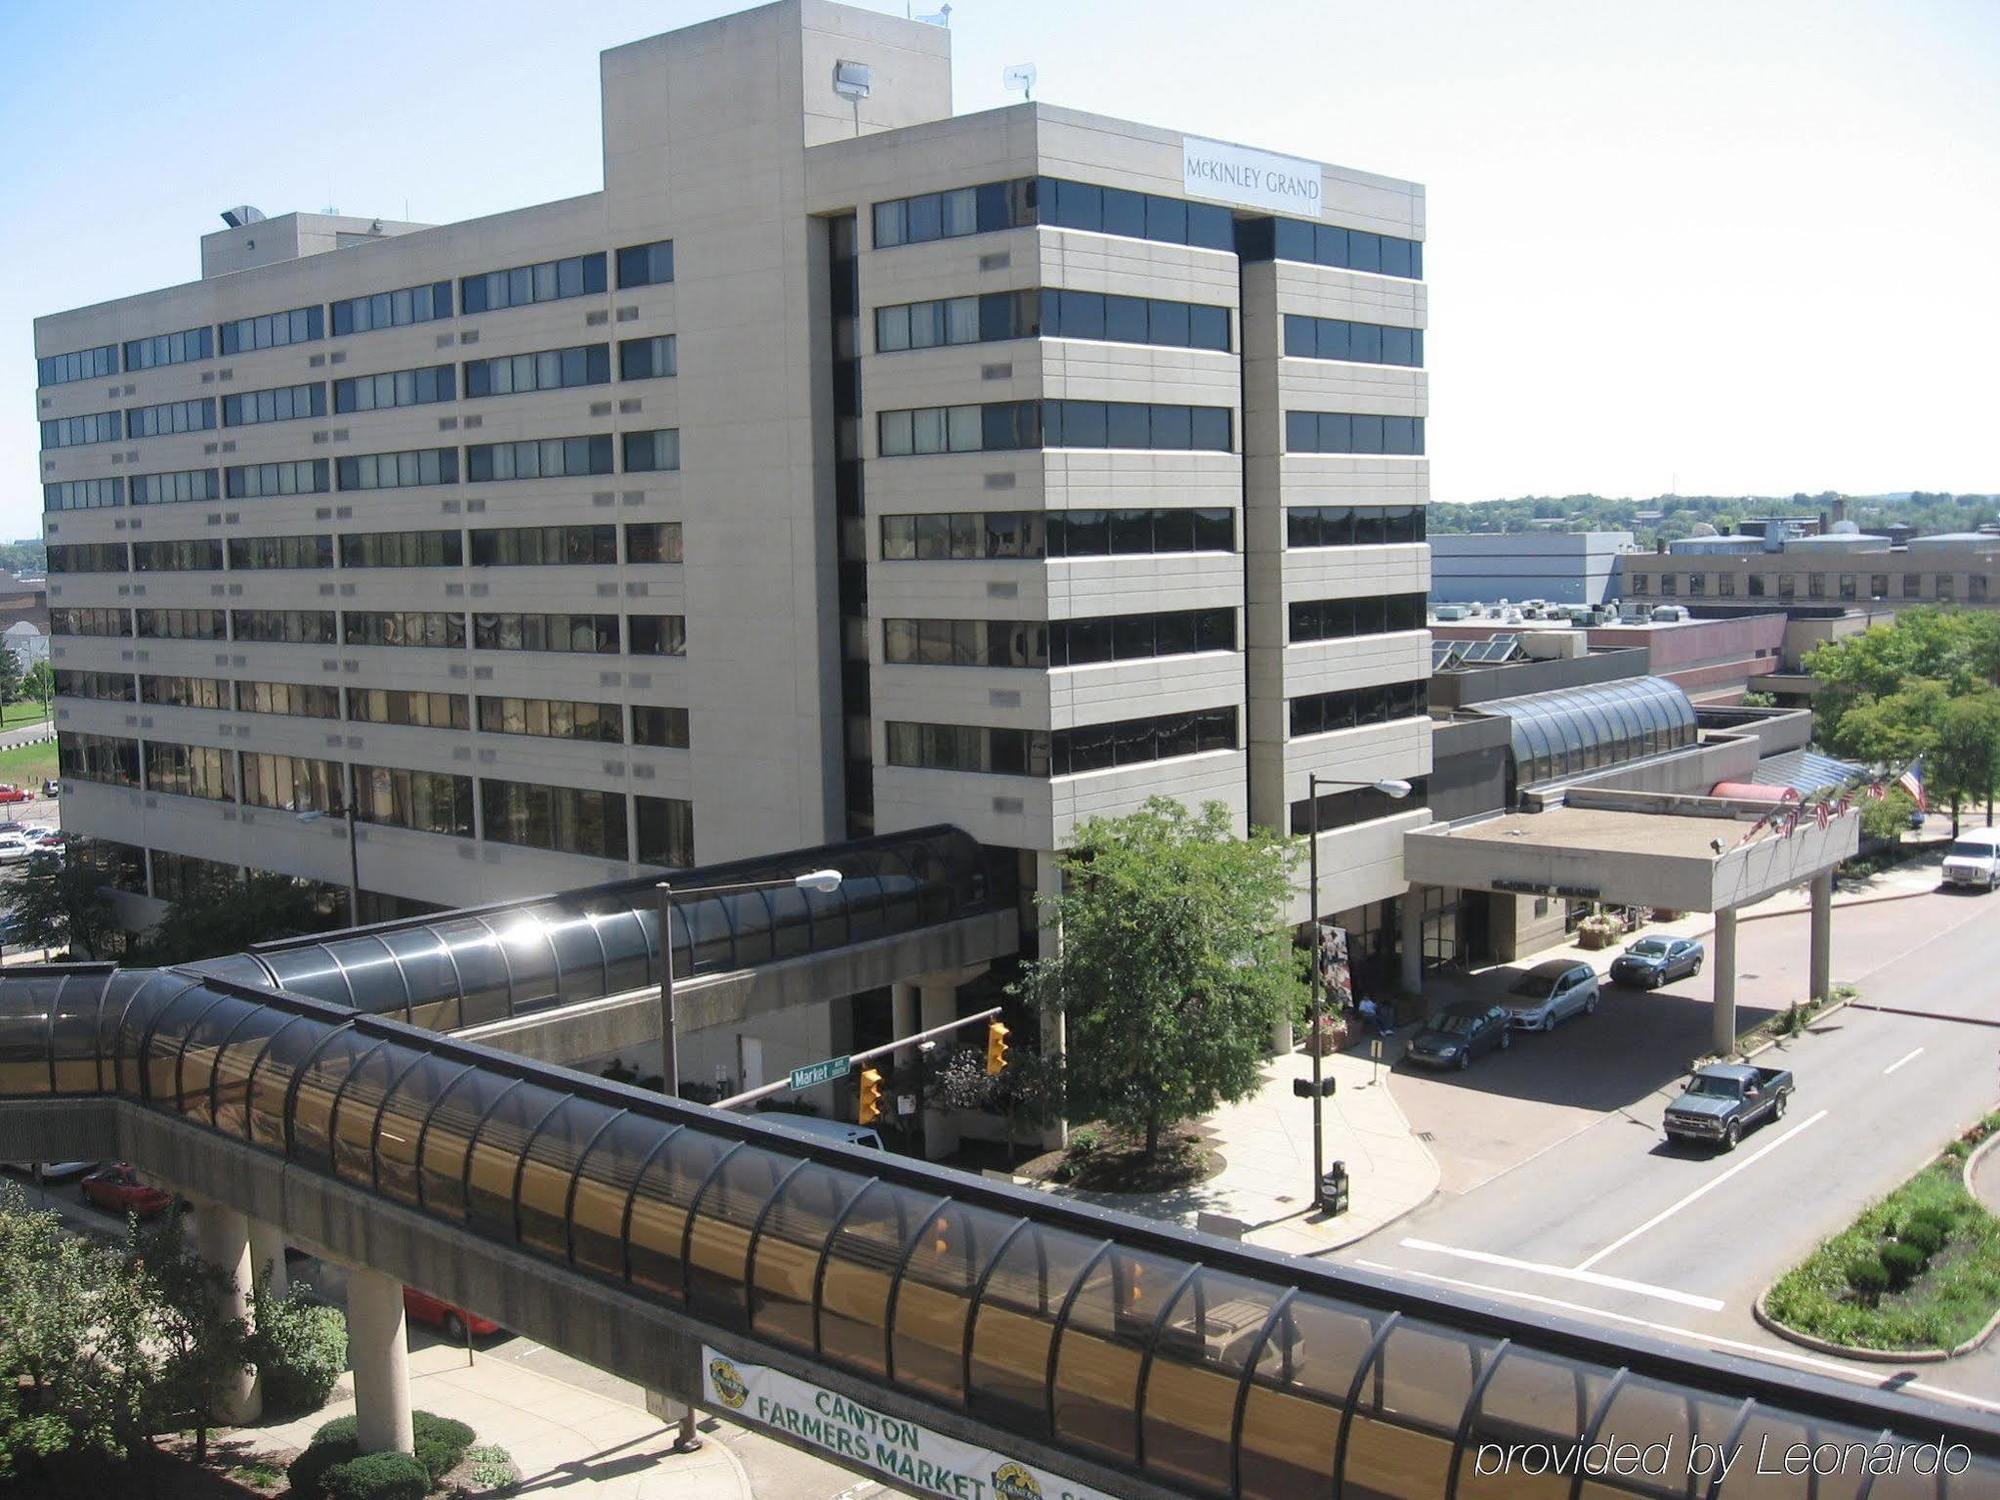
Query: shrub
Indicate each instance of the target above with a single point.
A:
(299, 1349)
(376, 1476)
(1867, 1278)
(339, 1430)
(491, 1468)
(1923, 1236)
(440, 1444)
(308, 1471)
(1933, 1216)
(1904, 1263)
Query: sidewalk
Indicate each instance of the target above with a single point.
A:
(559, 1436)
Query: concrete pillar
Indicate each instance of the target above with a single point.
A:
(1822, 935)
(903, 1021)
(1723, 1035)
(222, 1239)
(1412, 952)
(1055, 1028)
(938, 1003)
(674, 1412)
(267, 1257)
(381, 1353)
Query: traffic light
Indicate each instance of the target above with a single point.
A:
(870, 1109)
(996, 1047)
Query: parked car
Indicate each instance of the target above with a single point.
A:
(864, 1136)
(1459, 1033)
(1974, 859)
(52, 1171)
(1724, 1100)
(118, 1188)
(1654, 961)
(1551, 992)
(15, 847)
(51, 787)
(435, 1312)
(11, 793)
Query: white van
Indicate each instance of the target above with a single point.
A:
(1974, 858)
(827, 1130)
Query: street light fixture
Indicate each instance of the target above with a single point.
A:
(1395, 789)
(353, 849)
(823, 881)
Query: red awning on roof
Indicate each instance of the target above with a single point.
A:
(1752, 791)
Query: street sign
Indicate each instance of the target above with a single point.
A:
(1375, 1049)
(820, 1072)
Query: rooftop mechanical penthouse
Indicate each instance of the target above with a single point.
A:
(840, 466)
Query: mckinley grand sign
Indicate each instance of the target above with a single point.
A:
(1255, 179)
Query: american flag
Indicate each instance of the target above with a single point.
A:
(1876, 792)
(1912, 781)
(1823, 814)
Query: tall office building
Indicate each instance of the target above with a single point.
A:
(841, 465)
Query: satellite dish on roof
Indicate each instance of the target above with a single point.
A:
(242, 214)
(1020, 76)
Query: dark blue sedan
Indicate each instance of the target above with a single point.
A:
(1654, 961)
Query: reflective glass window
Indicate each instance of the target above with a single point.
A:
(399, 1131)
(273, 1076)
(610, 1172)
(1015, 1322)
(660, 1209)
(787, 1254)
(313, 1095)
(1202, 1347)
(719, 1233)
(447, 1137)
(953, 1248)
(548, 1165)
(351, 1129)
(1291, 1411)
(860, 1262)
(1103, 1341)
(495, 1157)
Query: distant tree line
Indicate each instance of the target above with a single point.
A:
(1679, 515)
(29, 556)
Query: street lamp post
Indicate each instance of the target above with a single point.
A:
(353, 849)
(1388, 787)
(812, 880)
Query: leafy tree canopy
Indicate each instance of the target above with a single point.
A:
(1174, 962)
(220, 914)
(1671, 517)
(57, 903)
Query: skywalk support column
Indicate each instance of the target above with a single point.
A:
(1723, 1039)
(1412, 954)
(903, 1021)
(222, 1239)
(267, 1258)
(381, 1351)
(939, 1004)
(1822, 935)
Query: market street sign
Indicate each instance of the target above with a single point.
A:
(813, 1074)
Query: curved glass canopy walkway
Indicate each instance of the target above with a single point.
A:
(1205, 1368)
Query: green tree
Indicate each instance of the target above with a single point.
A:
(39, 683)
(299, 1347)
(61, 902)
(10, 676)
(222, 914)
(1173, 965)
(1964, 761)
(202, 1350)
(1955, 648)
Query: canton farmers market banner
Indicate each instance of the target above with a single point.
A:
(919, 1460)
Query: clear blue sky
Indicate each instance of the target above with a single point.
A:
(1737, 246)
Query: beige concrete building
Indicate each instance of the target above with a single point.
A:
(1832, 569)
(842, 465)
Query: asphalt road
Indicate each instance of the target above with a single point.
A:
(1609, 1223)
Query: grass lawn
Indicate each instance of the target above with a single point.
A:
(28, 765)
(14, 715)
(1949, 1302)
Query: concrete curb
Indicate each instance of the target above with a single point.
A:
(1791, 1335)
(1972, 1161)
(1832, 1007)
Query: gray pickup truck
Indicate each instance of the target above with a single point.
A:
(1724, 1100)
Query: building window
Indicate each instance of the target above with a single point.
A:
(280, 552)
(596, 634)
(548, 281)
(1697, 585)
(171, 417)
(1181, 632)
(952, 214)
(666, 728)
(1815, 585)
(427, 801)
(181, 877)
(89, 622)
(388, 471)
(653, 542)
(87, 557)
(1975, 586)
(293, 627)
(544, 546)
(308, 476)
(169, 349)
(548, 370)
(109, 687)
(1362, 805)
(1946, 586)
(1063, 752)
(79, 364)
(1878, 585)
(666, 831)
(658, 635)
(1337, 619)
(553, 718)
(402, 549)
(185, 692)
(1005, 426)
(412, 304)
(1670, 584)
(413, 709)
(1913, 585)
(295, 783)
(1051, 313)
(190, 771)
(1640, 583)
(1788, 585)
(648, 359)
(420, 387)
(1353, 525)
(175, 489)
(98, 757)
(83, 494)
(182, 624)
(1359, 343)
(1756, 585)
(281, 404)
(203, 555)
(567, 819)
(539, 458)
(405, 627)
(1350, 708)
(273, 330)
(75, 432)
(1034, 534)
(298, 700)
(1330, 245)
(966, 643)
(646, 265)
(648, 452)
(1725, 585)
(1352, 432)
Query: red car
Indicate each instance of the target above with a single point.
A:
(13, 794)
(118, 1188)
(456, 1322)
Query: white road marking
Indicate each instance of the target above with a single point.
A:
(1714, 1340)
(1909, 1056)
(1594, 1278)
(1706, 1188)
